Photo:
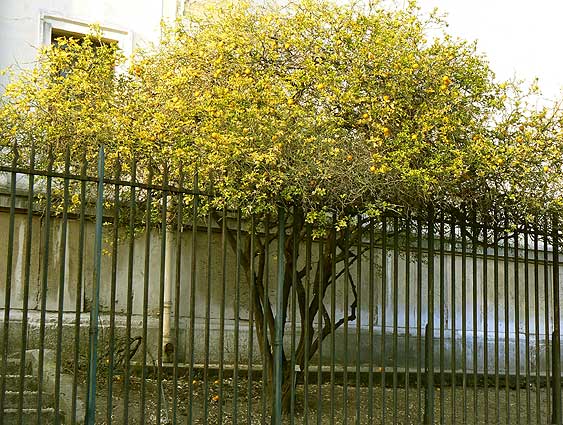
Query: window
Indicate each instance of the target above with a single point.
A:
(53, 27)
(57, 34)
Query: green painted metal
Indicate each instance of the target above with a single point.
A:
(94, 313)
(278, 341)
(360, 339)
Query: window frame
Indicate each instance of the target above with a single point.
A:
(51, 21)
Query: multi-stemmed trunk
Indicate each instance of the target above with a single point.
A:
(310, 284)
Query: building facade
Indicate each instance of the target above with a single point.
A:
(26, 25)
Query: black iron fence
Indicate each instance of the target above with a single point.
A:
(129, 299)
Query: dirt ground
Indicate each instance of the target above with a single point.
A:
(335, 407)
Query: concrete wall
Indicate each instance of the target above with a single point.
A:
(25, 25)
(209, 269)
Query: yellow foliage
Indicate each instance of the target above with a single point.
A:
(261, 100)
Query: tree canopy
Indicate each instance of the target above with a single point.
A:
(335, 109)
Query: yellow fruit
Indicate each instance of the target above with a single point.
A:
(545, 168)
(349, 157)
(320, 86)
(372, 168)
(386, 132)
(365, 116)
(386, 98)
(215, 398)
(290, 101)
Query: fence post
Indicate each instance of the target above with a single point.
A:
(278, 341)
(556, 358)
(92, 356)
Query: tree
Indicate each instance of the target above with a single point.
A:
(333, 113)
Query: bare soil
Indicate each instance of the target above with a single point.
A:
(336, 404)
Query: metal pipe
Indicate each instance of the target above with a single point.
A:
(167, 338)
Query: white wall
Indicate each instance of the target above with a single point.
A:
(22, 23)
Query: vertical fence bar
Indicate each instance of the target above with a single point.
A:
(92, 357)
(206, 375)
(453, 322)
(265, 306)
(474, 300)
(115, 240)
(347, 283)
(395, 349)
(545, 235)
(442, 317)
(506, 322)
(8, 284)
(130, 269)
(536, 291)
(251, 301)
(383, 312)
(26, 283)
(44, 287)
(192, 295)
(496, 239)
(463, 229)
(146, 282)
(332, 244)
(429, 409)
(62, 275)
(371, 315)
(320, 310)
(308, 321)
(278, 342)
(527, 325)
(556, 371)
(407, 312)
(223, 301)
(236, 310)
(358, 316)
(485, 322)
(79, 284)
(419, 353)
(162, 284)
(293, 347)
(177, 293)
(517, 321)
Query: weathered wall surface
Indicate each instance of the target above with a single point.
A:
(495, 297)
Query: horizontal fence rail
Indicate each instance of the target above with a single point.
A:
(130, 296)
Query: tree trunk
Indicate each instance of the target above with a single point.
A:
(288, 387)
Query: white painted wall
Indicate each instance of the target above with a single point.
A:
(24, 24)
